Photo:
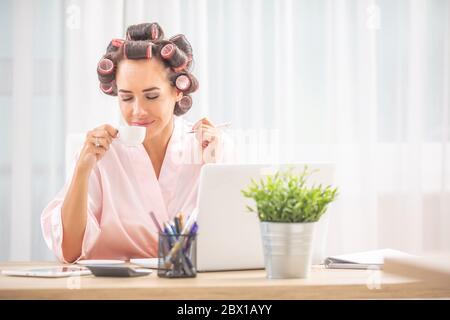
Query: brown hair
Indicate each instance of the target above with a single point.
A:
(146, 41)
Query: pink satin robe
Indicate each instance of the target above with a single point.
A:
(123, 189)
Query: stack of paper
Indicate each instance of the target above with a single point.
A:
(363, 260)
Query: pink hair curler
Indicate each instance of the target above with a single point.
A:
(182, 67)
(145, 31)
(114, 45)
(168, 51)
(185, 103)
(181, 42)
(141, 49)
(105, 66)
(154, 31)
(117, 42)
(149, 50)
(183, 82)
(186, 82)
(106, 87)
(176, 57)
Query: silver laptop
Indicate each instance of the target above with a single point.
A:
(229, 236)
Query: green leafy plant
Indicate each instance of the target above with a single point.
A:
(284, 197)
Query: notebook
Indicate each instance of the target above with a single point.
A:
(363, 260)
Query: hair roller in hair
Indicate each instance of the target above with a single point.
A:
(105, 66)
(107, 88)
(137, 49)
(145, 31)
(181, 42)
(176, 58)
(183, 82)
(182, 67)
(185, 103)
(105, 70)
(115, 44)
(186, 82)
(154, 31)
(168, 51)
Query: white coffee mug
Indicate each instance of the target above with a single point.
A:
(131, 136)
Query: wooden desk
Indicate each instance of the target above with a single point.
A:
(322, 284)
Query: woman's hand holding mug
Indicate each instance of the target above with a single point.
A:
(95, 146)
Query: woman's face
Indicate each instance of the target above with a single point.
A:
(146, 97)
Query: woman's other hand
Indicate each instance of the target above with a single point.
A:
(209, 137)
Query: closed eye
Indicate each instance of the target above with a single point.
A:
(130, 98)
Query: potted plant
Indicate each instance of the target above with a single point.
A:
(288, 210)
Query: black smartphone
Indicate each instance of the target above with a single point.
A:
(117, 271)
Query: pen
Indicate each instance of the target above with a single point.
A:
(155, 221)
(172, 228)
(165, 246)
(186, 252)
(177, 225)
(179, 244)
(168, 230)
(222, 125)
(190, 221)
(193, 231)
(194, 228)
(187, 265)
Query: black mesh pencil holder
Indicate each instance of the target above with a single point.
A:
(177, 255)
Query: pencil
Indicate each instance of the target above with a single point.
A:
(181, 217)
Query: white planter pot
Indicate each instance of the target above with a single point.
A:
(287, 249)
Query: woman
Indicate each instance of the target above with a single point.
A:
(103, 212)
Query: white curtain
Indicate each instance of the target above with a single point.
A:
(31, 122)
(364, 84)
